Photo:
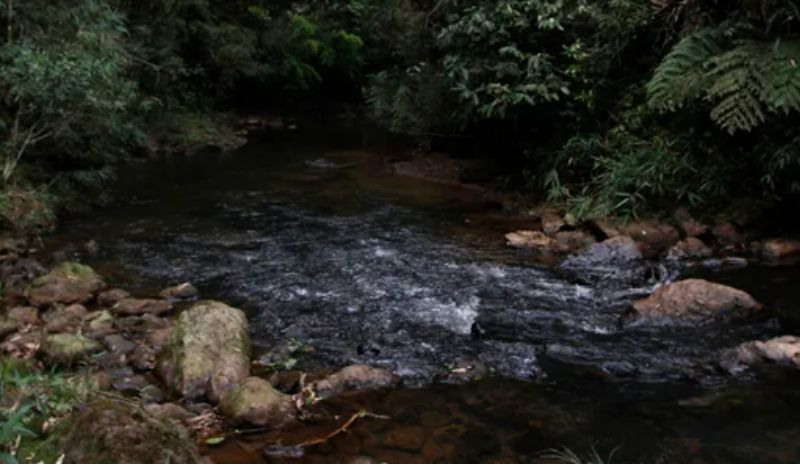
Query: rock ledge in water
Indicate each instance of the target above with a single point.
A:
(782, 350)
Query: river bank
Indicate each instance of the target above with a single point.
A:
(344, 264)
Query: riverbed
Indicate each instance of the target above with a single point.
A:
(504, 357)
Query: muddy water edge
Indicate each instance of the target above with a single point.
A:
(323, 248)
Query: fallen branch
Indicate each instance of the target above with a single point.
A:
(341, 429)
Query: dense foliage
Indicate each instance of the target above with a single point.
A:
(609, 106)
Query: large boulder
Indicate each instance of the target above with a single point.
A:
(256, 403)
(355, 377)
(113, 430)
(67, 283)
(208, 351)
(67, 349)
(695, 301)
(782, 350)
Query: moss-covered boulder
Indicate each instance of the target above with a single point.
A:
(67, 283)
(208, 351)
(256, 403)
(110, 430)
(67, 349)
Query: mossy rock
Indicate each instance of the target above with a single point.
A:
(67, 349)
(256, 403)
(67, 283)
(113, 430)
(208, 352)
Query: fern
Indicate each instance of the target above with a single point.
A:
(744, 82)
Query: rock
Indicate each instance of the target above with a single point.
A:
(131, 307)
(65, 319)
(67, 283)
(533, 240)
(141, 324)
(185, 291)
(551, 221)
(689, 224)
(612, 252)
(112, 430)
(607, 228)
(8, 327)
(355, 377)
(117, 344)
(131, 385)
(654, 237)
(158, 338)
(408, 438)
(110, 297)
(152, 394)
(727, 233)
(143, 358)
(690, 248)
(575, 240)
(66, 349)
(256, 403)
(101, 322)
(208, 352)
(24, 315)
(694, 300)
(171, 411)
(778, 249)
(782, 350)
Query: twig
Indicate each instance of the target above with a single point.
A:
(344, 428)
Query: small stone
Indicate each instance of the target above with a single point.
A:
(143, 358)
(135, 307)
(185, 291)
(690, 248)
(8, 327)
(654, 237)
(131, 385)
(355, 377)
(110, 297)
(24, 315)
(171, 411)
(533, 240)
(117, 344)
(102, 321)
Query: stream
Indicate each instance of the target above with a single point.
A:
(324, 248)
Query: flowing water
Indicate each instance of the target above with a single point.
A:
(325, 249)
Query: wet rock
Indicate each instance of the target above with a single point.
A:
(408, 438)
(24, 315)
(778, 249)
(614, 251)
(66, 349)
(131, 385)
(575, 240)
(143, 358)
(727, 233)
(355, 377)
(782, 350)
(118, 344)
(110, 297)
(8, 327)
(114, 430)
(691, 226)
(208, 352)
(694, 300)
(185, 291)
(67, 283)
(690, 248)
(171, 411)
(101, 322)
(256, 403)
(141, 324)
(135, 307)
(654, 237)
(533, 240)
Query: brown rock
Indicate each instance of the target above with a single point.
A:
(727, 233)
(690, 248)
(110, 297)
(171, 411)
(255, 402)
(355, 377)
(24, 315)
(185, 291)
(778, 249)
(694, 299)
(67, 283)
(654, 237)
(689, 224)
(782, 350)
(131, 307)
(143, 358)
(117, 344)
(158, 338)
(575, 240)
(533, 240)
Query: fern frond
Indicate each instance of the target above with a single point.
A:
(681, 76)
